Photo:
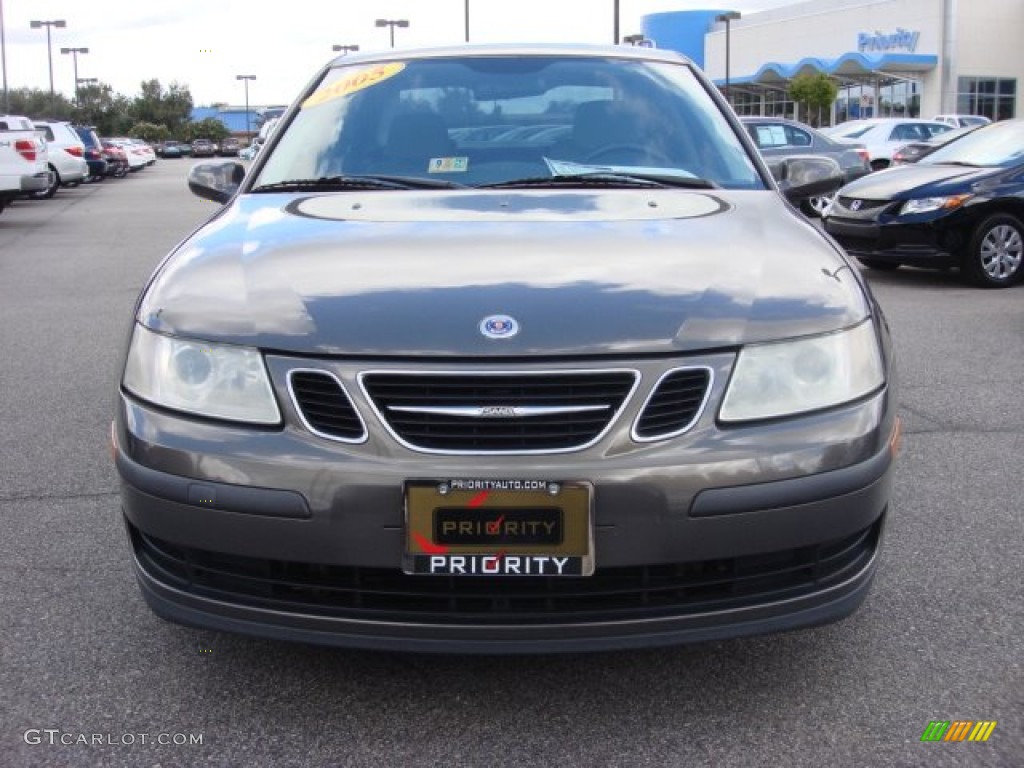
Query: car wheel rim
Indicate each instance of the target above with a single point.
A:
(1002, 251)
(819, 204)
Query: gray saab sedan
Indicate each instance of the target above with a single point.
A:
(430, 382)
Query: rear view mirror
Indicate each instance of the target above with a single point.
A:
(804, 176)
(216, 181)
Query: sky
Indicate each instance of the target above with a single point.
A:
(205, 44)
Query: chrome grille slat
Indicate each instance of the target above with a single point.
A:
(404, 401)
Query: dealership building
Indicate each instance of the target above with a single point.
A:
(890, 58)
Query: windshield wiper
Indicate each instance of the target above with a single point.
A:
(355, 182)
(605, 179)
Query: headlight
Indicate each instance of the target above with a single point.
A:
(216, 380)
(786, 378)
(926, 204)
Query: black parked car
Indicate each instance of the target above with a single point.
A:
(99, 168)
(913, 151)
(778, 137)
(962, 206)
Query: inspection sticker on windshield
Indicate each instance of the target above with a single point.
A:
(356, 81)
(459, 527)
(448, 165)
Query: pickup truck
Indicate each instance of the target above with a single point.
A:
(24, 166)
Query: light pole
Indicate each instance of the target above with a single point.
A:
(346, 49)
(74, 55)
(615, 24)
(392, 23)
(467, 21)
(60, 24)
(727, 17)
(246, 79)
(3, 57)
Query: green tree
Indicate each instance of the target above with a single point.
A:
(814, 93)
(99, 106)
(209, 128)
(170, 107)
(37, 103)
(149, 132)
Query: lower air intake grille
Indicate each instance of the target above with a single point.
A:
(611, 594)
(497, 412)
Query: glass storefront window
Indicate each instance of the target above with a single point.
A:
(993, 97)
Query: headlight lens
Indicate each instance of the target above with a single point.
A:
(216, 380)
(786, 378)
(926, 204)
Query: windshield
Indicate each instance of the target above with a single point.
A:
(483, 120)
(999, 145)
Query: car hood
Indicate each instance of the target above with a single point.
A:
(415, 273)
(918, 180)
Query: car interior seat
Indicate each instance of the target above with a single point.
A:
(413, 139)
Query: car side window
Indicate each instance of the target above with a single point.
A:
(770, 136)
(797, 138)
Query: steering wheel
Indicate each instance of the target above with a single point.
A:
(639, 149)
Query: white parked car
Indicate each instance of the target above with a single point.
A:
(138, 152)
(24, 166)
(963, 121)
(66, 156)
(882, 136)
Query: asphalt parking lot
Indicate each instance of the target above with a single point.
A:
(90, 677)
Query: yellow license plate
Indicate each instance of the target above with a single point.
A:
(498, 528)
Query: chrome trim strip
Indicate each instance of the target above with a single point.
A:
(482, 373)
(696, 416)
(498, 411)
(302, 416)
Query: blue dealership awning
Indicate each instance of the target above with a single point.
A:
(852, 65)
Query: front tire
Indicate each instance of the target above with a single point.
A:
(995, 255)
(814, 207)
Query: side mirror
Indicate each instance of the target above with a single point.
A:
(803, 176)
(216, 181)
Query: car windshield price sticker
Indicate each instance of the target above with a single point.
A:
(498, 528)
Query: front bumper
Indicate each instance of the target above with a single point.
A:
(280, 534)
(935, 243)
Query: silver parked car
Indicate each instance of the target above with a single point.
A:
(777, 137)
(608, 391)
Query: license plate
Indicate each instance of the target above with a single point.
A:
(498, 528)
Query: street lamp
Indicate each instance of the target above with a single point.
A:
(392, 23)
(74, 55)
(246, 79)
(346, 48)
(60, 24)
(3, 57)
(83, 81)
(727, 17)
